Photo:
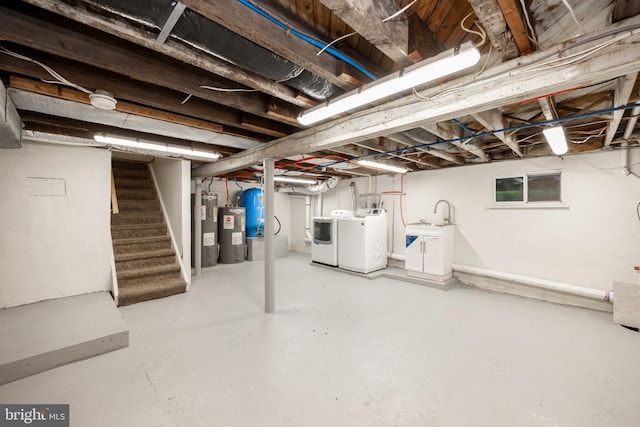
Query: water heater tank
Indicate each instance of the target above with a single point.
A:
(231, 229)
(253, 201)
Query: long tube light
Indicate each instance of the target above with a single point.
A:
(448, 62)
(165, 148)
(556, 139)
(292, 180)
(381, 166)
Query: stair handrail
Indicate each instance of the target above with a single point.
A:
(114, 196)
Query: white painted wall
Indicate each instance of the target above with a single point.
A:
(593, 243)
(54, 246)
(173, 177)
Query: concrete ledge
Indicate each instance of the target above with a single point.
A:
(626, 304)
(47, 334)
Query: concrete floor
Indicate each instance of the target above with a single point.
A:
(347, 351)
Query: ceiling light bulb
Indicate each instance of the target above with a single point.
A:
(423, 72)
(381, 166)
(556, 139)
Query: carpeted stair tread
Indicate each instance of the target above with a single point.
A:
(138, 205)
(133, 256)
(145, 262)
(152, 239)
(140, 230)
(151, 290)
(136, 194)
(136, 218)
(132, 183)
(120, 227)
(153, 270)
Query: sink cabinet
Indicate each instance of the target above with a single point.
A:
(429, 251)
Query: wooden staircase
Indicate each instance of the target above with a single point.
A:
(146, 265)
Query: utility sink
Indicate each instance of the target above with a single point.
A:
(428, 224)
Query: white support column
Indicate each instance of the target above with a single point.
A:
(269, 246)
(197, 244)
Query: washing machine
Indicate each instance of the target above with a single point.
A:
(362, 239)
(324, 247)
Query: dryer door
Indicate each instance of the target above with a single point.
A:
(322, 232)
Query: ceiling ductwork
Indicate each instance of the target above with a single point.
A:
(10, 122)
(311, 190)
(212, 38)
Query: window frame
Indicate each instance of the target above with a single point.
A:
(525, 203)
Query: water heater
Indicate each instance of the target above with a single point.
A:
(209, 219)
(231, 229)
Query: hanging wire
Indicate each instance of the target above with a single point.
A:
(482, 33)
(400, 12)
(58, 78)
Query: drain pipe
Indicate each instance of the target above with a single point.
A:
(564, 288)
(319, 204)
(197, 244)
(626, 157)
(307, 219)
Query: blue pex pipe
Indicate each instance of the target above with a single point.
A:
(310, 40)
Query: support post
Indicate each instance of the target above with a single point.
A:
(269, 247)
(197, 221)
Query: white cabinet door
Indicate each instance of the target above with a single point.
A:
(413, 255)
(433, 255)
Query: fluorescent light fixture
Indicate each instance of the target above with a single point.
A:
(165, 148)
(556, 139)
(381, 166)
(448, 62)
(291, 180)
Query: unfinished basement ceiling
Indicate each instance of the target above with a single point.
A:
(237, 73)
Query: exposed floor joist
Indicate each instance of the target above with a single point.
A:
(467, 95)
(251, 25)
(173, 49)
(368, 18)
(493, 120)
(515, 21)
(63, 41)
(454, 135)
(492, 19)
(621, 96)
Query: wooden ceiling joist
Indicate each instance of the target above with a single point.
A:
(621, 96)
(453, 134)
(172, 49)
(250, 25)
(63, 41)
(473, 95)
(514, 16)
(367, 17)
(493, 120)
(492, 19)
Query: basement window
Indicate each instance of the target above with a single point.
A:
(528, 190)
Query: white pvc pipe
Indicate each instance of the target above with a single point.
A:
(396, 256)
(307, 219)
(537, 283)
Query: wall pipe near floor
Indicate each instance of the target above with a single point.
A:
(564, 288)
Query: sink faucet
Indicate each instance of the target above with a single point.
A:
(447, 220)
